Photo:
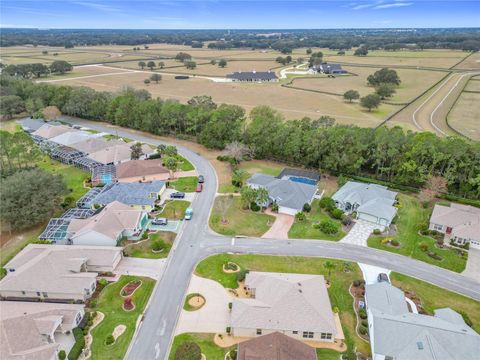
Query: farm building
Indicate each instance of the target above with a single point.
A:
(253, 76)
(329, 68)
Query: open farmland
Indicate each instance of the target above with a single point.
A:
(464, 116)
(472, 62)
(414, 82)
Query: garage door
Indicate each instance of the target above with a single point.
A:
(475, 244)
(368, 217)
(286, 210)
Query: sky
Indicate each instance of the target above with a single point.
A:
(227, 14)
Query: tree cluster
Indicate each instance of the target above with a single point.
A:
(37, 70)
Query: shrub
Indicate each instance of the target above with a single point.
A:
(336, 310)
(327, 203)
(158, 245)
(144, 235)
(300, 216)
(254, 206)
(363, 330)
(328, 227)
(423, 246)
(307, 208)
(466, 318)
(347, 221)
(364, 323)
(109, 340)
(103, 282)
(275, 207)
(336, 213)
(241, 275)
(233, 354)
(377, 232)
(78, 346)
(362, 313)
(394, 242)
(62, 355)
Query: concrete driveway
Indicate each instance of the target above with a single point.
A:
(472, 270)
(359, 233)
(280, 227)
(213, 317)
(152, 268)
(166, 196)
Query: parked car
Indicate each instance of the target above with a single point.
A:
(177, 195)
(199, 188)
(382, 277)
(160, 221)
(188, 213)
(201, 179)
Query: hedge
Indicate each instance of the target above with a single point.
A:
(78, 346)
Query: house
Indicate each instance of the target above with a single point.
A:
(459, 223)
(372, 202)
(30, 125)
(142, 196)
(35, 330)
(57, 273)
(296, 305)
(71, 137)
(288, 194)
(109, 226)
(253, 76)
(142, 170)
(48, 131)
(94, 144)
(396, 333)
(118, 153)
(329, 68)
(275, 346)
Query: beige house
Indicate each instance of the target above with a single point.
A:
(141, 170)
(37, 331)
(106, 228)
(118, 153)
(48, 131)
(459, 223)
(94, 144)
(57, 272)
(296, 305)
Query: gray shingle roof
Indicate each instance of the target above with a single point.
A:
(252, 75)
(285, 193)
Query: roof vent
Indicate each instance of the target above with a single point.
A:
(420, 345)
(300, 290)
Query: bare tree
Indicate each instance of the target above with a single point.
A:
(434, 186)
(236, 150)
(51, 113)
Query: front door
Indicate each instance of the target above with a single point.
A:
(449, 230)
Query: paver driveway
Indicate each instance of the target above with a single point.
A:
(472, 269)
(360, 233)
(280, 227)
(152, 268)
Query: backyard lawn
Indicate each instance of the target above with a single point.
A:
(144, 248)
(184, 164)
(305, 230)
(212, 268)
(205, 341)
(174, 209)
(185, 184)
(237, 220)
(433, 297)
(110, 303)
(261, 166)
(411, 215)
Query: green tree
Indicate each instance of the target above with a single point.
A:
(188, 351)
(136, 151)
(370, 102)
(26, 201)
(385, 90)
(308, 51)
(281, 60)
(60, 67)
(11, 105)
(262, 198)
(222, 63)
(171, 150)
(384, 76)
(361, 51)
(248, 195)
(40, 69)
(146, 81)
(151, 65)
(182, 56)
(171, 163)
(156, 77)
(161, 149)
(329, 266)
(351, 95)
(190, 65)
(213, 62)
(161, 64)
(142, 64)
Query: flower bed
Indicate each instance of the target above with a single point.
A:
(128, 304)
(130, 288)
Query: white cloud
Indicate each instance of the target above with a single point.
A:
(394, 5)
(97, 6)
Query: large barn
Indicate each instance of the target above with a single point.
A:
(253, 76)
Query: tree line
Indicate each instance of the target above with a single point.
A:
(388, 154)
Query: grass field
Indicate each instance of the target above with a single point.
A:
(433, 297)
(472, 62)
(239, 221)
(261, 166)
(212, 268)
(175, 209)
(110, 304)
(411, 215)
(185, 184)
(305, 230)
(144, 248)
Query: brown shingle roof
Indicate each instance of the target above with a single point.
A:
(275, 346)
(135, 168)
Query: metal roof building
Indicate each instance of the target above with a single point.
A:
(253, 76)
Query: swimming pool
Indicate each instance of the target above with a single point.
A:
(302, 180)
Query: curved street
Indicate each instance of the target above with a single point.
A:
(195, 241)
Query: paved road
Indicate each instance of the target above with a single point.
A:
(195, 242)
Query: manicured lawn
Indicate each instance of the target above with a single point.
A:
(144, 248)
(110, 303)
(185, 184)
(212, 268)
(115, 137)
(73, 176)
(10, 125)
(174, 209)
(239, 221)
(205, 341)
(184, 164)
(305, 230)
(261, 166)
(411, 215)
(434, 297)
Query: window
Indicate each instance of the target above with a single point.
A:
(308, 334)
(437, 227)
(295, 332)
(326, 336)
(78, 318)
(23, 292)
(45, 295)
(38, 293)
(259, 331)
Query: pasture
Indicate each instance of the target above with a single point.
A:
(465, 113)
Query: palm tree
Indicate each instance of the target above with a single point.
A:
(329, 266)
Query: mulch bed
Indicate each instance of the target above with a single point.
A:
(130, 288)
